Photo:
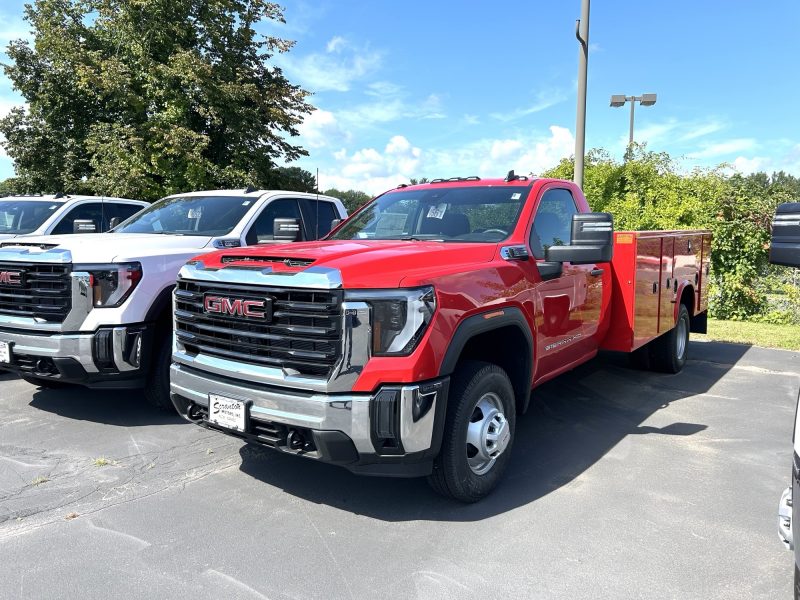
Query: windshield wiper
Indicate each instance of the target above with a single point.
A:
(416, 238)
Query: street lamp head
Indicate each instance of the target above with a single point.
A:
(648, 99)
(618, 100)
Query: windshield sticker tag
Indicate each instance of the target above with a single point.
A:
(437, 211)
(195, 213)
(55, 206)
(246, 203)
(516, 196)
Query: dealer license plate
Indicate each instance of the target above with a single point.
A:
(5, 352)
(227, 412)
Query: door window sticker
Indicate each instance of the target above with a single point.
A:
(437, 211)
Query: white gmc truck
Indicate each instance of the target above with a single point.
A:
(97, 310)
(55, 214)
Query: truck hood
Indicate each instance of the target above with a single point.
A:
(108, 247)
(7, 236)
(362, 263)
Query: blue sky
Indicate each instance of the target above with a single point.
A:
(438, 89)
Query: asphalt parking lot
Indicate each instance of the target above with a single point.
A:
(623, 484)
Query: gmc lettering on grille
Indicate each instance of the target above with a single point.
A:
(236, 307)
(11, 277)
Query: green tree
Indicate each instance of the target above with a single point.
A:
(650, 191)
(352, 199)
(149, 97)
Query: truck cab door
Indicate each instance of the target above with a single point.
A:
(567, 298)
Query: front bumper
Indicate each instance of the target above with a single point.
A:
(785, 531)
(395, 431)
(111, 357)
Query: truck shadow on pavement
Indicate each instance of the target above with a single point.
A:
(573, 422)
(121, 408)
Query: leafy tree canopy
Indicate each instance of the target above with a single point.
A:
(649, 191)
(352, 199)
(143, 98)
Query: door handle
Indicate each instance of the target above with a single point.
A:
(596, 272)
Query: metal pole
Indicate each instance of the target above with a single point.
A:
(582, 33)
(630, 133)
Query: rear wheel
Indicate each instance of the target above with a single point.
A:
(156, 390)
(478, 435)
(668, 352)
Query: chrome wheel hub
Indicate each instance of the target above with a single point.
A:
(682, 334)
(488, 434)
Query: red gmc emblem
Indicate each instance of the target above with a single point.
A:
(238, 307)
(11, 277)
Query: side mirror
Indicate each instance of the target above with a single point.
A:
(83, 226)
(592, 241)
(335, 223)
(785, 247)
(286, 230)
(114, 222)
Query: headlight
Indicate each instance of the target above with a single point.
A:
(399, 318)
(112, 284)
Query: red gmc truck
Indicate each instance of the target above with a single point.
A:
(407, 341)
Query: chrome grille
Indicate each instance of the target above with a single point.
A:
(304, 334)
(45, 291)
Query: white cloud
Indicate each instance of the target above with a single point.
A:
(725, 148)
(749, 165)
(335, 70)
(544, 100)
(375, 171)
(382, 89)
(336, 44)
(321, 128)
(701, 130)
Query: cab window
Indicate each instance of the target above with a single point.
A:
(262, 228)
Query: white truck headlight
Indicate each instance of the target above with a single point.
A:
(399, 317)
(112, 284)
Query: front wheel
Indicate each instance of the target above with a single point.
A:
(478, 435)
(156, 390)
(669, 351)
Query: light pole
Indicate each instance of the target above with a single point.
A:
(582, 33)
(618, 100)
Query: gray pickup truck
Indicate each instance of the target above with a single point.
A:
(785, 250)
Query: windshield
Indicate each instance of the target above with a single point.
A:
(189, 215)
(462, 214)
(24, 216)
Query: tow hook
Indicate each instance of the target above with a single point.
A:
(295, 440)
(785, 519)
(194, 412)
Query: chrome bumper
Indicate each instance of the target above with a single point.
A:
(351, 414)
(785, 532)
(78, 347)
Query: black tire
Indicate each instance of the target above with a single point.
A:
(156, 390)
(668, 352)
(474, 383)
(49, 384)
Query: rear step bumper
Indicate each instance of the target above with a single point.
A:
(395, 431)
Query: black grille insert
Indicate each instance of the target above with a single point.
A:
(303, 335)
(286, 260)
(35, 290)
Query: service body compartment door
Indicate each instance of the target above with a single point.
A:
(669, 285)
(647, 290)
